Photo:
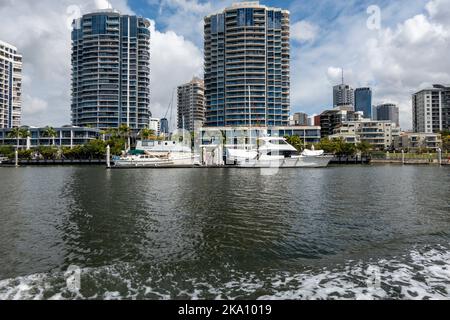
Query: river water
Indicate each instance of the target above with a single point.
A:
(356, 232)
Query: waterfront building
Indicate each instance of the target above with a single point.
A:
(247, 66)
(242, 135)
(331, 119)
(66, 136)
(165, 130)
(413, 141)
(431, 109)
(363, 101)
(155, 125)
(111, 71)
(300, 119)
(191, 104)
(10, 86)
(388, 112)
(343, 95)
(379, 134)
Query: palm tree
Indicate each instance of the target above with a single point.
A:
(18, 133)
(295, 141)
(125, 132)
(50, 133)
(146, 134)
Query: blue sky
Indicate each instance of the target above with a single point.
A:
(409, 50)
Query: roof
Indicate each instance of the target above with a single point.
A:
(247, 4)
(5, 44)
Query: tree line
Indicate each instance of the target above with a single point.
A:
(332, 146)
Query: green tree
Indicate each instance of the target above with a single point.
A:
(326, 145)
(125, 133)
(146, 134)
(50, 132)
(18, 133)
(295, 141)
(364, 147)
(343, 148)
(94, 149)
(7, 151)
(48, 153)
(445, 136)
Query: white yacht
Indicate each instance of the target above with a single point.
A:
(157, 154)
(274, 152)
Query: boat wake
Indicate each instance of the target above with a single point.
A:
(420, 274)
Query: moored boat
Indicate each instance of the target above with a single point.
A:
(157, 154)
(274, 152)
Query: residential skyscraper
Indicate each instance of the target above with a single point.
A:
(363, 101)
(431, 109)
(343, 95)
(165, 126)
(388, 112)
(10, 86)
(111, 70)
(191, 104)
(247, 66)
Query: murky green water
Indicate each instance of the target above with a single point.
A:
(341, 232)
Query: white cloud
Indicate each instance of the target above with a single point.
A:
(410, 52)
(41, 32)
(103, 4)
(35, 106)
(185, 17)
(39, 29)
(395, 61)
(174, 61)
(303, 31)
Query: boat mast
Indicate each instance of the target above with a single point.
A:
(250, 115)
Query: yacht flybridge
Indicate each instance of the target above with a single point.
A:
(274, 152)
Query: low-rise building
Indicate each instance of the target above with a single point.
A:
(379, 134)
(155, 125)
(66, 136)
(413, 142)
(242, 135)
(332, 119)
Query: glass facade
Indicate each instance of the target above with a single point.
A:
(111, 71)
(388, 112)
(65, 137)
(247, 66)
(363, 101)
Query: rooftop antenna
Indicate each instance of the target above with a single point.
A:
(342, 75)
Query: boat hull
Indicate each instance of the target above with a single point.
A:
(301, 162)
(154, 163)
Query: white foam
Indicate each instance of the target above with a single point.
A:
(421, 274)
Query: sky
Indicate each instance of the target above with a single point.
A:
(396, 47)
